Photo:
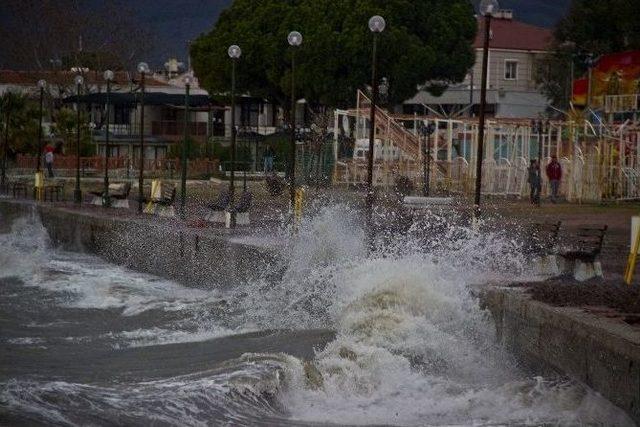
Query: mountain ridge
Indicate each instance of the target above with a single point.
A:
(173, 23)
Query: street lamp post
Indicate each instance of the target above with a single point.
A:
(590, 62)
(106, 200)
(540, 128)
(427, 131)
(143, 69)
(377, 25)
(570, 46)
(487, 9)
(183, 199)
(234, 52)
(295, 40)
(42, 84)
(5, 143)
(77, 193)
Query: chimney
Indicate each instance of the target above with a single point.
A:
(504, 14)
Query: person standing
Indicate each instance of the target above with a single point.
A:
(554, 173)
(268, 159)
(48, 160)
(534, 182)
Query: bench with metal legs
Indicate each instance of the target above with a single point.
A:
(583, 255)
(218, 208)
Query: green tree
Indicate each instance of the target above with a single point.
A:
(66, 127)
(22, 114)
(425, 40)
(593, 27)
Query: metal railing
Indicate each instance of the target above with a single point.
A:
(94, 166)
(622, 103)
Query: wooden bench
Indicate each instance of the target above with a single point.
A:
(118, 195)
(168, 195)
(160, 203)
(541, 246)
(19, 188)
(240, 210)
(219, 207)
(543, 238)
(52, 189)
(584, 252)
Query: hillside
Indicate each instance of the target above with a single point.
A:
(173, 23)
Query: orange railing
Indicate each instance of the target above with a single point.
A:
(167, 167)
(69, 162)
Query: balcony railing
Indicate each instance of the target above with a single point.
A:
(176, 128)
(122, 129)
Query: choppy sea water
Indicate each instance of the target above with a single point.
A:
(341, 337)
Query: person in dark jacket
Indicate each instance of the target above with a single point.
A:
(554, 173)
(534, 182)
(268, 159)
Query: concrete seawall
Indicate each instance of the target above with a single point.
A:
(597, 351)
(198, 257)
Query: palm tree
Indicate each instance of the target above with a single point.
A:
(19, 123)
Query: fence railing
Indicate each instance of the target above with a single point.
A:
(70, 162)
(622, 103)
(169, 168)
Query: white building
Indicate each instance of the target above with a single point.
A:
(514, 49)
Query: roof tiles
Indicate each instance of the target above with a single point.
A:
(514, 35)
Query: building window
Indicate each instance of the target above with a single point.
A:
(510, 70)
(121, 115)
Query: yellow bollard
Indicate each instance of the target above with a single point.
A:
(297, 207)
(635, 248)
(156, 194)
(39, 186)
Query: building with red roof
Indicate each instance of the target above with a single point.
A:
(512, 92)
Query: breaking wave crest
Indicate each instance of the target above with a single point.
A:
(413, 346)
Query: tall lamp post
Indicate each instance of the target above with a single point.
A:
(590, 62)
(427, 130)
(143, 69)
(569, 47)
(42, 84)
(487, 9)
(5, 144)
(295, 40)
(106, 200)
(539, 127)
(234, 52)
(77, 193)
(376, 25)
(183, 198)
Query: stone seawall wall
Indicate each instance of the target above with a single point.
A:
(193, 256)
(599, 352)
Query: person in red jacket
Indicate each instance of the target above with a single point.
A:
(554, 174)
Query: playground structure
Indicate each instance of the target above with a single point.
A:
(600, 161)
